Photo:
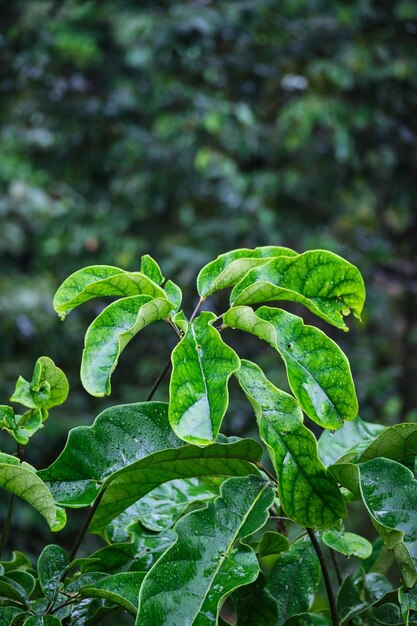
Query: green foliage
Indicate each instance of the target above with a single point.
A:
(194, 522)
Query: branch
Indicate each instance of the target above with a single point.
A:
(327, 582)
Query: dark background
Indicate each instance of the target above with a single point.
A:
(184, 129)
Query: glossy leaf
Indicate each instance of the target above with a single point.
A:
(47, 620)
(387, 614)
(110, 333)
(211, 565)
(99, 281)
(408, 602)
(136, 480)
(326, 284)
(271, 543)
(48, 387)
(173, 293)
(13, 591)
(229, 268)
(122, 589)
(318, 371)
(294, 579)
(7, 613)
(347, 543)
(397, 442)
(120, 435)
(356, 595)
(346, 443)
(255, 604)
(51, 566)
(19, 561)
(308, 619)
(307, 491)
(201, 367)
(26, 484)
(151, 269)
(20, 427)
(24, 579)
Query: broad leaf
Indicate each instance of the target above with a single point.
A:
(24, 483)
(173, 293)
(122, 589)
(322, 281)
(212, 566)
(110, 333)
(408, 602)
(398, 443)
(151, 269)
(308, 619)
(271, 543)
(307, 491)
(294, 579)
(255, 604)
(99, 281)
(348, 544)
(47, 620)
(12, 590)
(7, 614)
(136, 480)
(24, 579)
(19, 561)
(356, 595)
(345, 444)
(48, 387)
(120, 435)
(229, 268)
(318, 371)
(201, 367)
(51, 566)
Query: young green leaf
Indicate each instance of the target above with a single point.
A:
(318, 371)
(211, 565)
(326, 284)
(229, 268)
(99, 281)
(122, 589)
(26, 484)
(48, 387)
(294, 579)
(51, 566)
(151, 269)
(255, 604)
(126, 486)
(119, 436)
(110, 333)
(345, 444)
(20, 427)
(348, 544)
(173, 293)
(307, 491)
(202, 365)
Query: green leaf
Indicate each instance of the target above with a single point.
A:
(408, 602)
(345, 444)
(271, 543)
(52, 564)
(201, 367)
(229, 268)
(19, 561)
(136, 480)
(173, 293)
(110, 333)
(307, 491)
(122, 589)
(46, 620)
(7, 614)
(119, 436)
(151, 269)
(326, 284)
(398, 443)
(308, 619)
(318, 371)
(20, 427)
(211, 565)
(389, 492)
(99, 281)
(13, 590)
(26, 484)
(24, 579)
(356, 595)
(347, 543)
(255, 604)
(294, 579)
(48, 387)
(388, 614)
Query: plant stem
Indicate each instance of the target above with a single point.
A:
(198, 305)
(158, 380)
(327, 582)
(336, 566)
(7, 524)
(270, 474)
(85, 526)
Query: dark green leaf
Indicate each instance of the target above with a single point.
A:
(110, 333)
(397, 442)
(388, 614)
(51, 566)
(318, 371)
(9, 588)
(47, 620)
(7, 614)
(229, 268)
(294, 579)
(357, 595)
(308, 619)
(307, 491)
(348, 544)
(122, 589)
(255, 604)
(24, 579)
(271, 543)
(408, 602)
(201, 367)
(324, 282)
(19, 561)
(211, 567)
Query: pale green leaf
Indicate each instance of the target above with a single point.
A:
(229, 268)
(345, 444)
(398, 442)
(48, 387)
(202, 365)
(294, 579)
(271, 543)
(110, 333)
(325, 283)
(318, 371)
(347, 543)
(122, 589)
(211, 565)
(173, 293)
(126, 486)
(119, 436)
(307, 491)
(151, 269)
(99, 281)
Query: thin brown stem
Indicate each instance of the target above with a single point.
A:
(327, 582)
(158, 380)
(198, 305)
(270, 474)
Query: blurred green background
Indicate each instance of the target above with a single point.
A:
(184, 129)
